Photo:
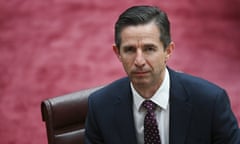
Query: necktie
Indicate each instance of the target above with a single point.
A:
(151, 132)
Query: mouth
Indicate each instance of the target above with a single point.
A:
(140, 73)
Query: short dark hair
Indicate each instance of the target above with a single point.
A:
(137, 15)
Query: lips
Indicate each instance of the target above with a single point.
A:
(140, 73)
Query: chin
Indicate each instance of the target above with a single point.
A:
(140, 82)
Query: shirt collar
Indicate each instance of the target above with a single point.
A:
(161, 96)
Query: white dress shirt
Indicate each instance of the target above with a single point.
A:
(161, 98)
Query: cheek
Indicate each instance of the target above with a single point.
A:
(126, 60)
(157, 62)
(127, 64)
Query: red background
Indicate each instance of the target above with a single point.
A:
(53, 47)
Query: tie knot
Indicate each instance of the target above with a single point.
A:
(149, 105)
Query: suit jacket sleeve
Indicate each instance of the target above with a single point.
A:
(225, 128)
(92, 134)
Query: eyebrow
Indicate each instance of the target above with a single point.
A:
(149, 45)
(128, 46)
(133, 46)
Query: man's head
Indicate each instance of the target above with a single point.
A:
(143, 46)
(139, 15)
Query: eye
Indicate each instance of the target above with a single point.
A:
(128, 49)
(149, 48)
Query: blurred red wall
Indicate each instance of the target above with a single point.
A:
(52, 47)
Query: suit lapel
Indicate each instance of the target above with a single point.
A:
(124, 116)
(180, 110)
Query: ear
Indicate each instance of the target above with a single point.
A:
(117, 51)
(169, 50)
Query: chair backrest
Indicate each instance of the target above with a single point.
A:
(65, 115)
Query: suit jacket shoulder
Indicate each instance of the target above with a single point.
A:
(110, 91)
(193, 81)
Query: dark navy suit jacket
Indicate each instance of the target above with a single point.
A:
(200, 113)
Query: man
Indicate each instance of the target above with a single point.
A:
(186, 109)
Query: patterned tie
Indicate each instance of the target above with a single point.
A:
(151, 132)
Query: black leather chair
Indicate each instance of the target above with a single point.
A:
(64, 117)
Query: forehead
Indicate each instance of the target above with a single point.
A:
(145, 32)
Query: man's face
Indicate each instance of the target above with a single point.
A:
(142, 55)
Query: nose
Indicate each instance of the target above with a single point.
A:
(139, 59)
